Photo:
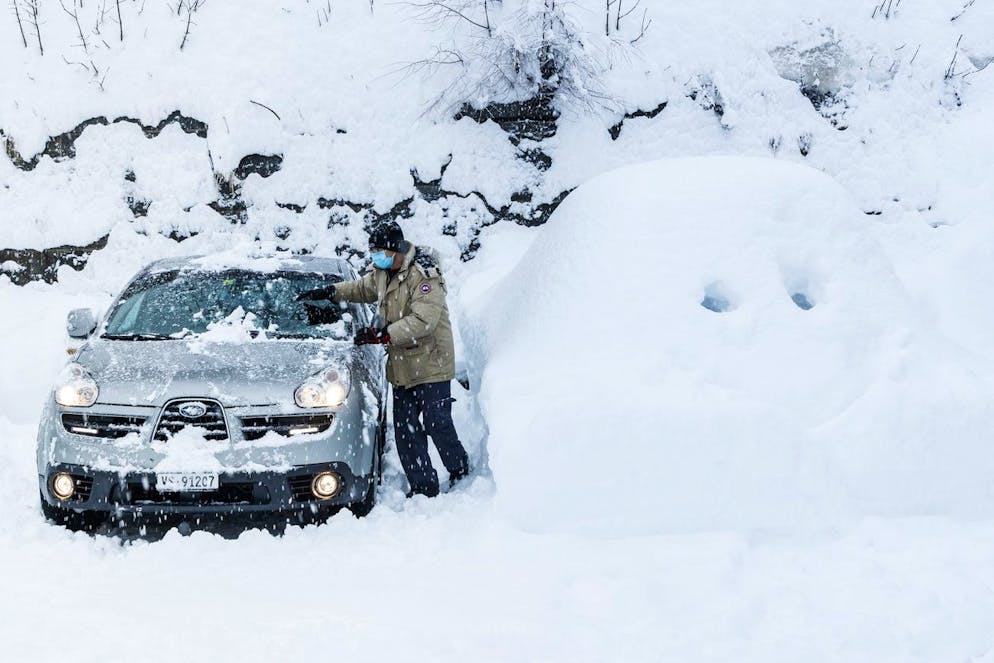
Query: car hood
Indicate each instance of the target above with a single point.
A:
(259, 372)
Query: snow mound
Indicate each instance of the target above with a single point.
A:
(721, 342)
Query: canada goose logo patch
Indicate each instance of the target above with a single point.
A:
(425, 287)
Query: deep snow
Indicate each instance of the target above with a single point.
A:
(555, 557)
(657, 481)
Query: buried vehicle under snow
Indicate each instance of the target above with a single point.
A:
(208, 392)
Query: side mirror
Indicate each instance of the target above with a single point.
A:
(80, 323)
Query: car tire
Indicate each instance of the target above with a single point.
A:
(362, 508)
(381, 439)
(71, 520)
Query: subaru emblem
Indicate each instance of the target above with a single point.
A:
(193, 410)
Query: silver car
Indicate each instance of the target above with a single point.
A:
(208, 391)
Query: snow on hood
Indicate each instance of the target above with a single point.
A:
(721, 342)
(261, 372)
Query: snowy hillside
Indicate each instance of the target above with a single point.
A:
(278, 117)
(717, 276)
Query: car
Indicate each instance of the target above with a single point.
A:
(208, 392)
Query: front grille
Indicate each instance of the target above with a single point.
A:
(142, 491)
(254, 428)
(172, 420)
(102, 425)
(84, 486)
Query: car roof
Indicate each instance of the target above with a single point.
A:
(254, 262)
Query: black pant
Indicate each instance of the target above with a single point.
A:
(433, 402)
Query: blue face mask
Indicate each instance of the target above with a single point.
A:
(382, 260)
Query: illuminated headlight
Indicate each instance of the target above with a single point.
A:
(325, 485)
(329, 388)
(63, 485)
(75, 387)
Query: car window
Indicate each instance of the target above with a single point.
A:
(184, 303)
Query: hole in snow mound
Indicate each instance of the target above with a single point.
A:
(716, 299)
(803, 292)
(802, 301)
(800, 288)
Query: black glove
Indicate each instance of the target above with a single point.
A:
(319, 294)
(372, 336)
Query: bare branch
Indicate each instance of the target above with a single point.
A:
(645, 26)
(100, 83)
(979, 68)
(429, 65)
(951, 69)
(429, 8)
(20, 25)
(32, 7)
(885, 9)
(634, 7)
(78, 64)
(79, 29)
(191, 8)
(267, 108)
(186, 33)
(962, 11)
(912, 60)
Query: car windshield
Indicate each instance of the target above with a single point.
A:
(228, 305)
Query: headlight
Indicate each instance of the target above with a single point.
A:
(75, 387)
(329, 388)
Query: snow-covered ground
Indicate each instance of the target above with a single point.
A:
(605, 453)
(657, 480)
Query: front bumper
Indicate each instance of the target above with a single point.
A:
(240, 495)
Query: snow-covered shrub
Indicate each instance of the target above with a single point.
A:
(525, 50)
(703, 90)
(822, 70)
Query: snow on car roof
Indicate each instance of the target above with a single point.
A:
(257, 262)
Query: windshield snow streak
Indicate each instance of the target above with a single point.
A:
(179, 304)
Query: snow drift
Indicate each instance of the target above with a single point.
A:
(721, 342)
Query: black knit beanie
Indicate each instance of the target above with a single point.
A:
(386, 235)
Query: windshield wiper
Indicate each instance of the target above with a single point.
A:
(295, 335)
(138, 337)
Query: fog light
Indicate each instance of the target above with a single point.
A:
(325, 485)
(63, 485)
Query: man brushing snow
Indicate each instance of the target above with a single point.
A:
(408, 287)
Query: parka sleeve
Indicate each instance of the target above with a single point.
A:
(361, 290)
(427, 306)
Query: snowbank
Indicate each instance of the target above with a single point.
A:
(721, 342)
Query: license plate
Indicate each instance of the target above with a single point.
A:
(182, 482)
